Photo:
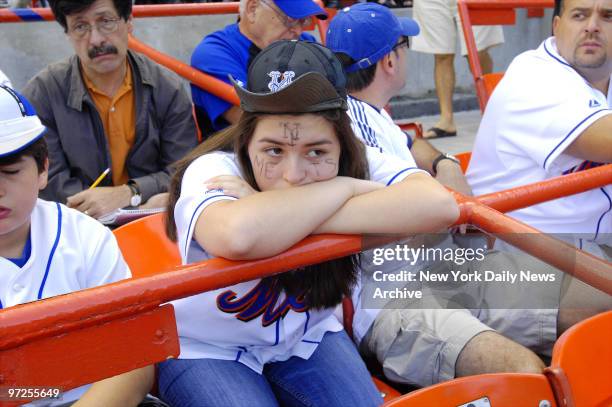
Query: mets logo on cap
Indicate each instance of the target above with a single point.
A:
(285, 80)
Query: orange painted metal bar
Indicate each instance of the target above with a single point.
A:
(464, 7)
(198, 78)
(20, 15)
(104, 303)
(52, 316)
(554, 188)
(590, 269)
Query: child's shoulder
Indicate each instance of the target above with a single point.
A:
(215, 163)
(71, 220)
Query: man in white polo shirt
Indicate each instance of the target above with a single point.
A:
(549, 116)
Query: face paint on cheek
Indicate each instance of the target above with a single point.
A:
(269, 168)
(330, 166)
(315, 166)
(291, 132)
(259, 164)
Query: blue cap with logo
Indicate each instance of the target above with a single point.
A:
(301, 8)
(367, 32)
(19, 125)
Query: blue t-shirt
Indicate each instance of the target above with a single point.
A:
(220, 54)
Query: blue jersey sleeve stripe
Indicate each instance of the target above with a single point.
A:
(409, 142)
(238, 356)
(400, 173)
(307, 341)
(50, 260)
(554, 57)
(605, 213)
(367, 132)
(27, 14)
(277, 332)
(193, 216)
(307, 320)
(569, 134)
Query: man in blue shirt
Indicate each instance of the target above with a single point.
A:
(229, 51)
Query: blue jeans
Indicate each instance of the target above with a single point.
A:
(334, 375)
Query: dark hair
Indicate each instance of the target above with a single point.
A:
(558, 8)
(63, 8)
(323, 285)
(37, 150)
(358, 80)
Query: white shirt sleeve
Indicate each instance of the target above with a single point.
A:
(547, 106)
(195, 197)
(389, 169)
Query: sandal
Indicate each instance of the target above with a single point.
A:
(439, 133)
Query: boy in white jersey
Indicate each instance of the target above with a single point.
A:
(47, 249)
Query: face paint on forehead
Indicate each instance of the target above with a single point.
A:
(291, 131)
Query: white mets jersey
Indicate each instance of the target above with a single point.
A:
(69, 252)
(248, 322)
(537, 110)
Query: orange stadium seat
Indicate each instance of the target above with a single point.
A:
(145, 246)
(497, 390)
(492, 12)
(490, 81)
(581, 366)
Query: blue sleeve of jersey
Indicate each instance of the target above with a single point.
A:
(216, 57)
(308, 37)
(409, 141)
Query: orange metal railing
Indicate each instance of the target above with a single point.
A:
(30, 325)
(123, 297)
(489, 12)
(197, 77)
(160, 10)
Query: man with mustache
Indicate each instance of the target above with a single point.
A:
(107, 107)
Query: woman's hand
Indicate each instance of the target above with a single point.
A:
(231, 185)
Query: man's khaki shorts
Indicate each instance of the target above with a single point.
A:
(440, 26)
(420, 346)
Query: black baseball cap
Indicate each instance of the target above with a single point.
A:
(292, 76)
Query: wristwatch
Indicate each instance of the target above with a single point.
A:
(442, 156)
(136, 198)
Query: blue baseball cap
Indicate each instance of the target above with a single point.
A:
(19, 125)
(301, 8)
(367, 32)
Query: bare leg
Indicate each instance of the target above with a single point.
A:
(444, 75)
(490, 352)
(486, 62)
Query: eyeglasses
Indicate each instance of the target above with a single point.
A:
(404, 42)
(105, 25)
(288, 21)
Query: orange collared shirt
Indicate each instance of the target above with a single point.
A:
(118, 116)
